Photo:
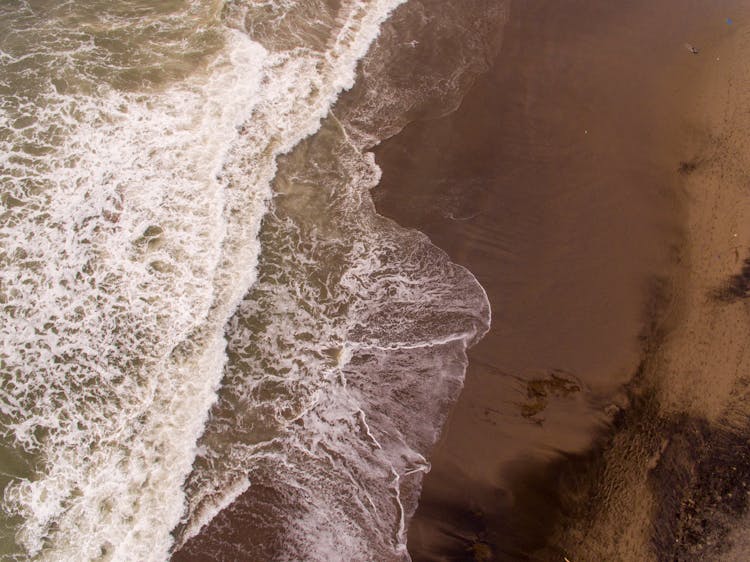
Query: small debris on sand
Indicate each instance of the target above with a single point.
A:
(692, 49)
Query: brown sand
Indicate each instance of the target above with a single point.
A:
(597, 170)
(676, 476)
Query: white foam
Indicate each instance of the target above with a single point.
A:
(135, 241)
(93, 295)
(345, 357)
(351, 379)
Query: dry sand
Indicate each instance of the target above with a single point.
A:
(595, 181)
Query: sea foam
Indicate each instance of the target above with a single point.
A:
(129, 237)
(349, 350)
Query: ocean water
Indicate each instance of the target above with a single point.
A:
(207, 330)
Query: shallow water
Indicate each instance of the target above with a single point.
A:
(162, 353)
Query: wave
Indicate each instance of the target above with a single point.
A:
(344, 360)
(130, 228)
(348, 352)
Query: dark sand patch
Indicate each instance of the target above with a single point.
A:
(736, 287)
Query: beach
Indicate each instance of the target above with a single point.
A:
(593, 180)
(675, 474)
(393, 280)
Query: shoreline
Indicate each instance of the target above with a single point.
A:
(342, 474)
(505, 485)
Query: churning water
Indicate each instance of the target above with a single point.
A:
(162, 355)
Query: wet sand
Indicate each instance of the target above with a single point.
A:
(594, 182)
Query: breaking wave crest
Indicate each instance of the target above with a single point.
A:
(132, 202)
